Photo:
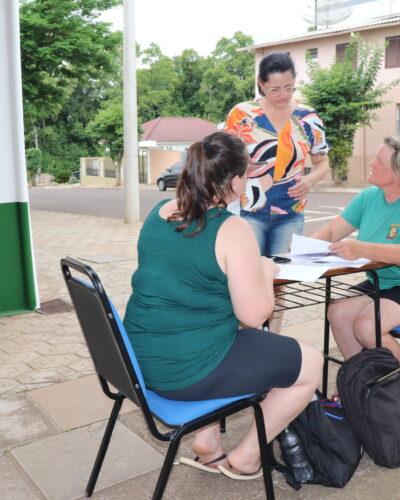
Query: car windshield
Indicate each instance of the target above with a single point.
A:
(177, 167)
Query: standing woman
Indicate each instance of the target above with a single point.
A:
(279, 134)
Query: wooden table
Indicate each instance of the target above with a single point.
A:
(328, 288)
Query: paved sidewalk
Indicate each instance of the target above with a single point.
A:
(52, 411)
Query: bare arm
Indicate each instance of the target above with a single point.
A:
(250, 277)
(335, 230)
(339, 228)
(379, 252)
(320, 167)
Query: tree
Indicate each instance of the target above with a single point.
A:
(69, 64)
(34, 163)
(156, 86)
(108, 127)
(229, 77)
(189, 70)
(346, 97)
(61, 43)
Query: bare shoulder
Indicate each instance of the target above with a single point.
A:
(236, 234)
(234, 226)
(168, 209)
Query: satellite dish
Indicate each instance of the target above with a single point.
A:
(328, 12)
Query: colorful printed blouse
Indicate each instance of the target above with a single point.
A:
(276, 160)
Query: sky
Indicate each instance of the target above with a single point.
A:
(176, 25)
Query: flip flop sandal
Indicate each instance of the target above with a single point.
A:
(240, 476)
(196, 464)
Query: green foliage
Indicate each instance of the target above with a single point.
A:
(155, 86)
(60, 42)
(229, 77)
(34, 163)
(62, 176)
(190, 85)
(70, 61)
(107, 129)
(346, 97)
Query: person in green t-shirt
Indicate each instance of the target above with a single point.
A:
(375, 212)
(200, 274)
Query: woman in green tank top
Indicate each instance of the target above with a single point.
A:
(200, 275)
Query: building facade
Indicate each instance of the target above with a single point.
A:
(324, 46)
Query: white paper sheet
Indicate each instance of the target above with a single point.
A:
(312, 251)
(301, 272)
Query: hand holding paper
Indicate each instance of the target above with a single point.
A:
(311, 250)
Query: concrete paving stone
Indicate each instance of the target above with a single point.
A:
(60, 466)
(50, 375)
(101, 259)
(13, 370)
(18, 357)
(83, 366)
(8, 384)
(309, 331)
(76, 403)
(53, 361)
(14, 484)
(22, 421)
(73, 337)
(9, 346)
(186, 483)
(63, 348)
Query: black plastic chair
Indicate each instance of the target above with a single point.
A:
(116, 364)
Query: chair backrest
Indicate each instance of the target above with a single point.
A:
(104, 332)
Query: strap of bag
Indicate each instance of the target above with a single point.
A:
(384, 378)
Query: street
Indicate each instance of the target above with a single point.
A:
(109, 202)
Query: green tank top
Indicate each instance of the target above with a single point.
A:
(179, 317)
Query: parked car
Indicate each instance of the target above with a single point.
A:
(169, 178)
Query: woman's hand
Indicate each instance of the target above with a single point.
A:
(299, 190)
(348, 249)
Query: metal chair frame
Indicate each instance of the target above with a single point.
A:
(114, 365)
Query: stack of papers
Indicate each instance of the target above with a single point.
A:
(313, 251)
(311, 258)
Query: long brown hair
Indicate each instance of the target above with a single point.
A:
(205, 181)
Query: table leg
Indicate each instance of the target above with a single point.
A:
(326, 337)
(375, 296)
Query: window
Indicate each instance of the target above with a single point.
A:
(340, 50)
(312, 54)
(94, 169)
(392, 52)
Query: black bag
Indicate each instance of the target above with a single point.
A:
(332, 447)
(369, 387)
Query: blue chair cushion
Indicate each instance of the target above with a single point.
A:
(178, 412)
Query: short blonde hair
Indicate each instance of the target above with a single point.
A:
(394, 143)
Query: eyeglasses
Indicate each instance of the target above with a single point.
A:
(289, 89)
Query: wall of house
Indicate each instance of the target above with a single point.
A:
(104, 167)
(159, 160)
(367, 138)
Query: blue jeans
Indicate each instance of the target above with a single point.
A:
(274, 231)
